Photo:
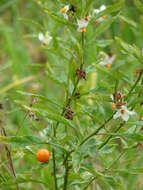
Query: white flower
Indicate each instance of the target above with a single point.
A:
(97, 11)
(124, 113)
(45, 39)
(107, 61)
(82, 24)
(64, 11)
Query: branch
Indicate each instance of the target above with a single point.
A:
(68, 103)
(135, 84)
(66, 171)
(90, 182)
(108, 139)
(8, 151)
(54, 169)
(96, 131)
(103, 125)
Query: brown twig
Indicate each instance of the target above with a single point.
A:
(8, 151)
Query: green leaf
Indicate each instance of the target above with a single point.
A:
(128, 21)
(133, 171)
(114, 74)
(135, 137)
(58, 80)
(7, 4)
(39, 97)
(30, 140)
(113, 8)
(139, 5)
(21, 180)
(130, 49)
(104, 26)
(53, 116)
(58, 19)
(103, 43)
(21, 140)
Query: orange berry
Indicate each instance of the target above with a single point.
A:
(43, 155)
(83, 30)
(108, 65)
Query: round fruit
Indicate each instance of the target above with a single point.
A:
(43, 155)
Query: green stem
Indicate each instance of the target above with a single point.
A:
(72, 95)
(96, 131)
(135, 84)
(103, 125)
(66, 172)
(54, 161)
(108, 139)
(54, 169)
(82, 43)
(117, 159)
(90, 182)
(108, 169)
(8, 151)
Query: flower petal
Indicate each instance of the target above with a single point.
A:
(82, 23)
(96, 11)
(117, 114)
(102, 8)
(112, 97)
(131, 112)
(67, 7)
(125, 116)
(111, 59)
(47, 39)
(41, 36)
(102, 63)
(65, 16)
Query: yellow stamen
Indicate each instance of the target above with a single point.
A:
(44, 45)
(113, 106)
(95, 23)
(108, 66)
(83, 30)
(63, 10)
(104, 17)
(87, 18)
(123, 111)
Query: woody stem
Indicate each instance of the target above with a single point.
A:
(72, 95)
(8, 151)
(54, 161)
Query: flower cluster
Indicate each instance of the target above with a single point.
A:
(106, 60)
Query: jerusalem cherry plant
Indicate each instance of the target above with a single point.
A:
(71, 118)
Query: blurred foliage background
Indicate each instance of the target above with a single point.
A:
(25, 66)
